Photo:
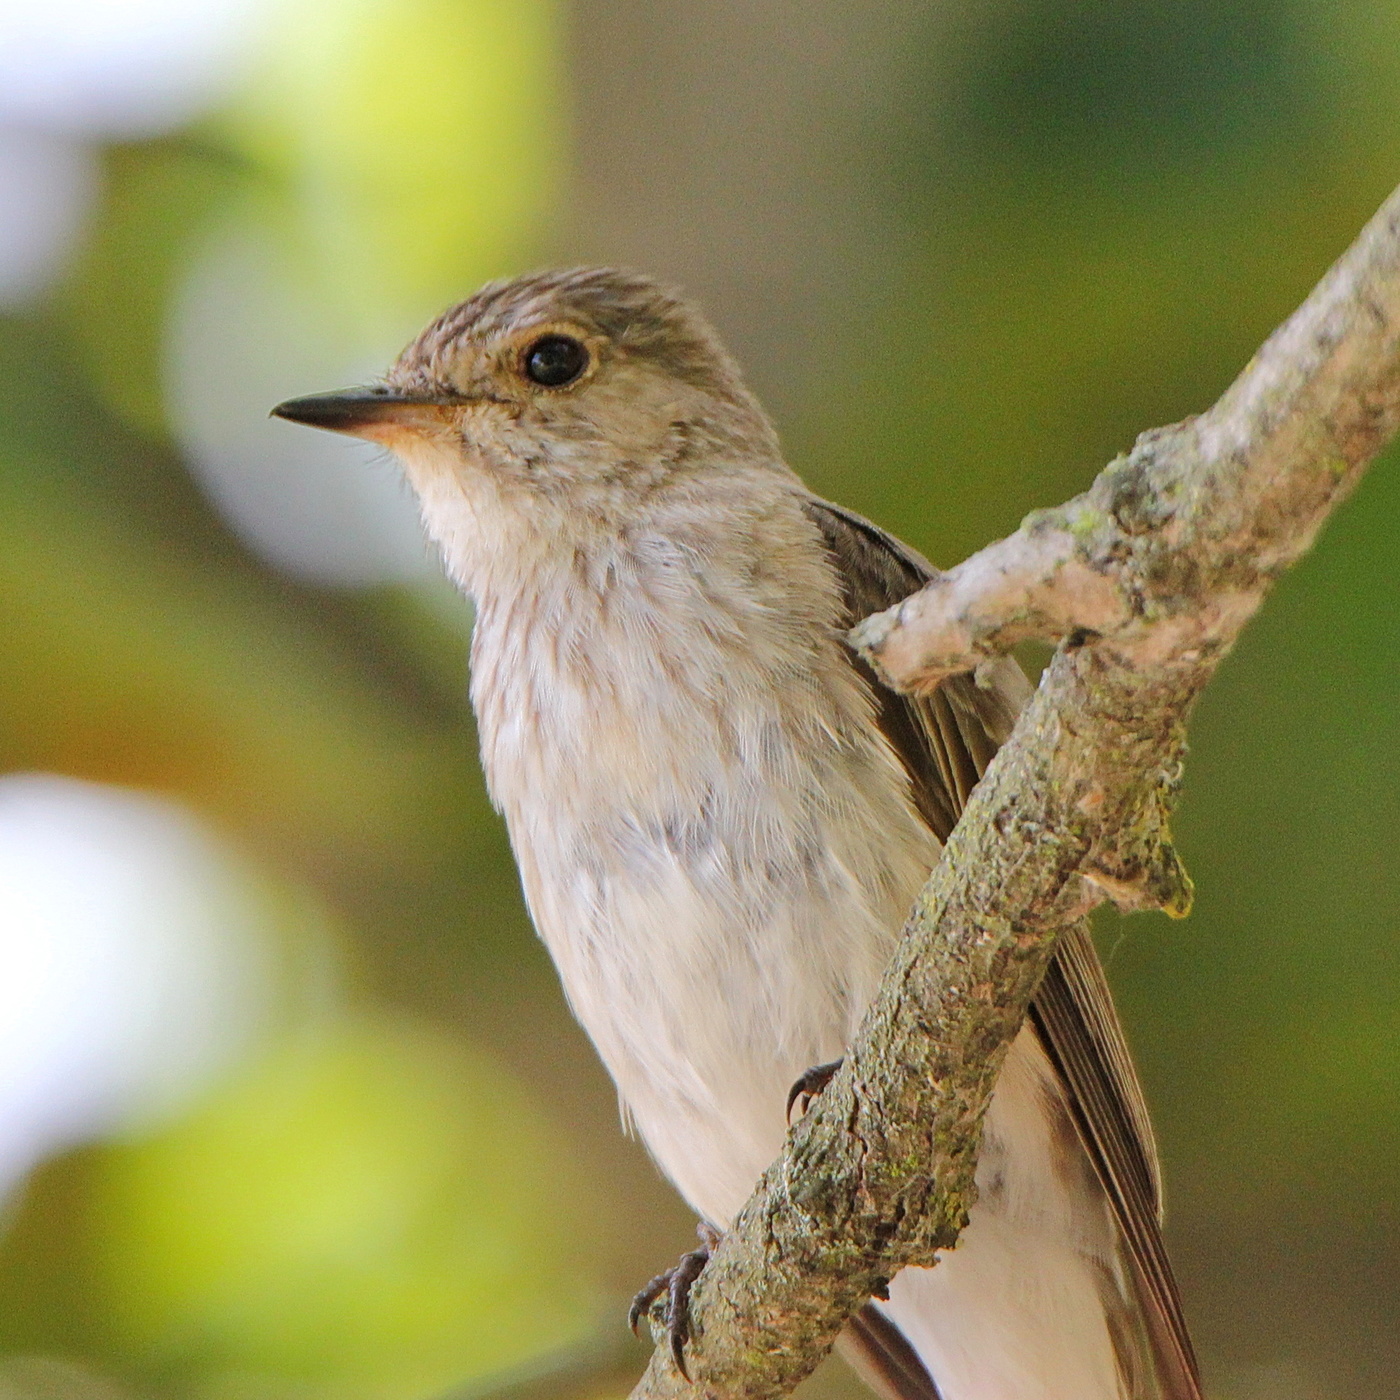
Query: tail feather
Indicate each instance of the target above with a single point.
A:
(877, 1351)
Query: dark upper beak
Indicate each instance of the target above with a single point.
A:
(349, 410)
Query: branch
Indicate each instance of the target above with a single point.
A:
(1146, 580)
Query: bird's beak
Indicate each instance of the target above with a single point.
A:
(358, 411)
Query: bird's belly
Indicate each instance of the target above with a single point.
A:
(710, 977)
(719, 1003)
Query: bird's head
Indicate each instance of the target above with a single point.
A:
(586, 388)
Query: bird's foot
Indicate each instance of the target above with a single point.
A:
(676, 1283)
(809, 1084)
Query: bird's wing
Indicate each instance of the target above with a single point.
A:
(946, 741)
(879, 1354)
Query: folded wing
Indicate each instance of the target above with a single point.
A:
(946, 741)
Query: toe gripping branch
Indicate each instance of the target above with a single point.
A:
(809, 1084)
(676, 1283)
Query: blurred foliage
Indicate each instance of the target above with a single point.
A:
(418, 139)
(156, 198)
(1117, 91)
(1080, 221)
(369, 1212)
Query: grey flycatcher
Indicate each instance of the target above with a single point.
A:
(721, 819)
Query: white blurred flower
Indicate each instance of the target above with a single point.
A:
(248, 330)
(122, 68)
(132, 963)
(48, 182)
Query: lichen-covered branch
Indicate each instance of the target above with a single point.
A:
(1174, 546)
(1146, 580)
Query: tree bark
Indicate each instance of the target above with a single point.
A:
(1145, 581)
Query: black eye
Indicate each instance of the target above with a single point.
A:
(555, 360)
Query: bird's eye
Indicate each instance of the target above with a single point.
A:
(555, 360)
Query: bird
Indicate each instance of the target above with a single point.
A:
(721, 817)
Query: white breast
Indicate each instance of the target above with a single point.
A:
(716, 844)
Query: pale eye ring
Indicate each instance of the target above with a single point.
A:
(555, 360)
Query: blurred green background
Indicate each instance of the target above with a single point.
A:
(291, 1107)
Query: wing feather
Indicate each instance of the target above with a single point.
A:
(946, 742)
(877, 1351)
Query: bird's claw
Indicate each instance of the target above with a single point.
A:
(809, 1084)
(676, 1283)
